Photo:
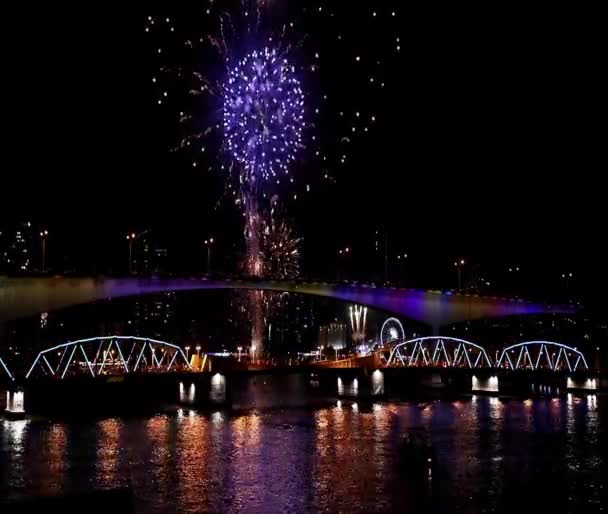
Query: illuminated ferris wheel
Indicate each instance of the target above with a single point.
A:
(392, 331)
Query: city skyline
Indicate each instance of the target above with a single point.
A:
(161, 251)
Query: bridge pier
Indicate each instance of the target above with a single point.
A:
(15, 403)
(201, 389)
(582, 383)
(484, 384)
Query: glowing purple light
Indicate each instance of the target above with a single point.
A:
(263, 114)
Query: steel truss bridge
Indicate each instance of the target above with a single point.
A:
(442, 352)
(118, 355)
(542, 355)
(4, 369)
(450, 352)
(113, 355)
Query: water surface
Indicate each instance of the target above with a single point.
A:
(491, 456)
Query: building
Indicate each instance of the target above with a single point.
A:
(154, 316)
(333, 335)
(290, 323)
(16, 248)
(149, 256)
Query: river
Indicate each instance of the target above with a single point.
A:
(491, 455)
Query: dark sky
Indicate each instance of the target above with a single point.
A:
(487, 143)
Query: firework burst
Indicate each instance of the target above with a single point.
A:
(281, 251)
(196, 55)
(263, 116)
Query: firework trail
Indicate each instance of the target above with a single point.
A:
(263, 121)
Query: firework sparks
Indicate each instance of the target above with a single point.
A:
(195, 56)
(281, 251)
(263, 115)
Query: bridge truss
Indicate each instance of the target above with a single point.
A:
(439, 352)
(536, 355)
(113, 355)
(4, 369)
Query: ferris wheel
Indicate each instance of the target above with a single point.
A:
(392, 330)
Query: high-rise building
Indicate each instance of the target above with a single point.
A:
(291, 323)
(149, 256)
(154, 316)
(16, 248)
(333, 335)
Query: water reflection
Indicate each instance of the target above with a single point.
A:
(194, 462)
(489, 455)
(43, 464)
(108, 452)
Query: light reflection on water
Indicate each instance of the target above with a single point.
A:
(490, 455)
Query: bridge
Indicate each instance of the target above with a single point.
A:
(442, 352)
(131, 371)
(106, 355)
(22, 297)
(115, 355)
(99, 356)
(451, 352)
(4, 369)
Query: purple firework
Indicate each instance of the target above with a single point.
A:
(263, 115)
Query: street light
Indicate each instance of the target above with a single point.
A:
(239, 348)
(208, 243)
(345, 252)
(401, 258)
(187, 353)
(321, 348)
(459, 264)
(198, 350)
(43, 236)
(253, 352)
(567, 277)
(131, 238)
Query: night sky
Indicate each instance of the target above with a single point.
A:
(486, 142)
